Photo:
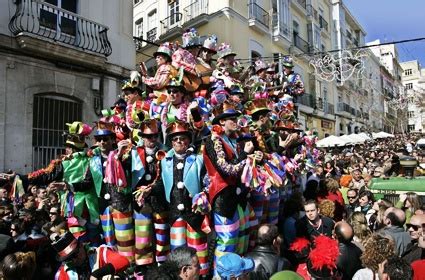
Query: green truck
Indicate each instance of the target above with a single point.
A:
(390, 188)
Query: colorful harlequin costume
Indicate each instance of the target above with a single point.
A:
(182, 181)
(227, 196)
(153, 213)
(115, 196)
(295, 86)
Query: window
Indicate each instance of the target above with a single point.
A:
(317, 37)
(411, 114)
(408, 86)
(138, 30)
(136, 1)
(55, 20)
(151, 35)
(411, 127)
(408, 72)
(174, 12)
(50, 115)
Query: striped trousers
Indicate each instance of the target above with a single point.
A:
(232, 235)
(182, 234)
(118, 230)
(143, 221)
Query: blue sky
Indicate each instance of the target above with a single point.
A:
(391, 20)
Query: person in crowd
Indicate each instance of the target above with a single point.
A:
(377, 219)
(353, 200)
(187, 262)
(4, 196)
(360, 228)
(378, 248)
(322, 259)
(298, 253)
(327, 208)
(394, 219)
(366, 201)
(313, 224)
(18, 265)
(395, 268)
(56, 223)
(291, 212)
(357, 182)
(415, 229)
(329, 189)
(409, 202)
(349, 254)
(167, 271)
(266, 258)
(75, 264)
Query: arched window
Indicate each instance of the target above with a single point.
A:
(50, 115)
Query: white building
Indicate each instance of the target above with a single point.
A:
(60, 61)
(414, 85)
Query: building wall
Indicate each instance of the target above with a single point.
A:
(63, 72)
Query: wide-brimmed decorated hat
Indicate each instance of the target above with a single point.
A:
(164, 49)
(236, 89)
(256, 106)
(76, 135)
(287, 125)
(191, 39)
(178, 127)
(224, 50)
(65, 246)
(104, 128)
(271, 68)
(287, 61)
(134, 83)
(225, 110)
(210, 43)
(177, 81)
(149, 127)
(260, 65)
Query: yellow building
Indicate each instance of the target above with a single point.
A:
(257, 28)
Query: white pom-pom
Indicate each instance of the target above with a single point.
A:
(180, 165)
(180, 207)
(149, 159)
(107, 196)
(238, 191)
(148, 177)
(180, 185)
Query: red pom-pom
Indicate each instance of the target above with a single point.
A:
(299, 244)
(217, 129)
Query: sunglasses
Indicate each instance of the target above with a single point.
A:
(415, 227)
(150, 136)
(351, 197)
(179, 138)
(99, 139)
(174, 90)
(53, 213)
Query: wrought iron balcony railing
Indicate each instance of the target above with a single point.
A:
(344, 107)
(196, 9)
(308, 99)
(302, 3)
(50, 22)
(171, 22)
(330, 109)
(259, 14)
(151, 35)
(301, 43)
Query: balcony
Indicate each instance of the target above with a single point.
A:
(320, 103)
(300, 43)
(196, 13)
(323, 23)
(151, 35)
(308, 100)
(258, 18)
(41, 27)
(344, 107)
(281, 32)
(302, 3)
(352, 111)
(171, 26)
(330, 109)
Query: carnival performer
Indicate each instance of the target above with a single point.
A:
(186, 55)
(81, 262)
(150, 209)
(208, 49)
(181, 173)
(161, 79)
(224, 166)
(294, 85)
(115, 194)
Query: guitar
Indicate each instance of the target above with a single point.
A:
(192, 82)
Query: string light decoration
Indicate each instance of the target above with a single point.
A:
(339, 66)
